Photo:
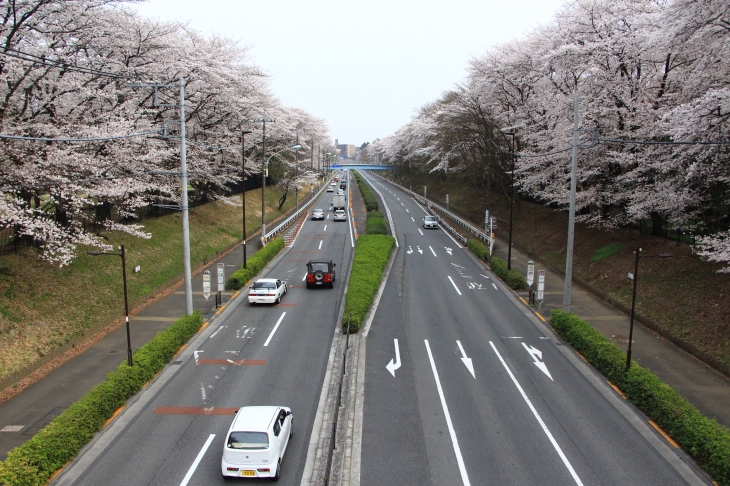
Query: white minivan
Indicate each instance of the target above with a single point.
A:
(256, 442)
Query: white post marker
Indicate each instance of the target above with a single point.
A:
(530, 273)
(394, 365)
(540, 286)
(221, 277)
(206, 284)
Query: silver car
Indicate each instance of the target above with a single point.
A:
(430, 222)
(317, 213)
(340, 215)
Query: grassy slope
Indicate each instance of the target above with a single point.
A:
(42, 306)
(684, 294)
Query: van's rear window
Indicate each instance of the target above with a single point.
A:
(248, 440)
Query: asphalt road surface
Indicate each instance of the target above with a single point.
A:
(464, 385)
(172, 433)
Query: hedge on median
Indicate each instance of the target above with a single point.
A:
(371, 202)
(376, 223)
(34, 462)
(705, 440)
(368, 264)
(514, 280)
(255, 264)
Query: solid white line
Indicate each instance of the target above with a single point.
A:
(194, 466)
(434, 253)
(539, 419)
(457, 288)
(275, 328)
(452, 432)
(320, 244)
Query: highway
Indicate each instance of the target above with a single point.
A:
(172, 433)
(465, 385)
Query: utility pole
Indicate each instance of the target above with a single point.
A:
(263, 180)
(571, 216)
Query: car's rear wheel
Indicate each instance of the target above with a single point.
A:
(278, 471)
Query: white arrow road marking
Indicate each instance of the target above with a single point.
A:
(485, 276)
(537, 358)
(467, 361)
(434, 253)
(419, 250)
(448, 250)
(194, 466)
(394, 365)
(457, 288)
(195, 355)
(275, 328)
(539, 419)
(410, 250)
(452, 432)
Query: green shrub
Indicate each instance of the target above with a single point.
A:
(514, 280)
(255, 264)
(368, 263)
(704, 439)
(34, 462)
(376, 224)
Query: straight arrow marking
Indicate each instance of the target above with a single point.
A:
(537, 357)
(394, 365)
(467, 361)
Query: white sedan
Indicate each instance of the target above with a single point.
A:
(266, 291)
(340, 215)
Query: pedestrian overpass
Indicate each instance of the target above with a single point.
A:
(361, 167)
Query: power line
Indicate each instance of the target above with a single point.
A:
(94, 139)
(24, 56)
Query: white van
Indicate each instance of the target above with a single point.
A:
(256, 442)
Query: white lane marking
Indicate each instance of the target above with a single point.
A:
(452, 432)
(539, 419)
(216, 332)
(320, 244)
(273, 331)
(457, 288)
(419, 230)
(434, 253)
(413, 219)
(466, 360)
(325, 228)
(495, 286)
(194, 466)
(304, 277)
(407, 210)
(394, 364)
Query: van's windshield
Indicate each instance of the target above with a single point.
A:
(248, 440)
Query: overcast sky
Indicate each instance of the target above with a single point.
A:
(365, 67)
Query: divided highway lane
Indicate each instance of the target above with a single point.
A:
(172, 433)
(484, 393)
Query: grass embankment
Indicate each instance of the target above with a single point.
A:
(43, 307)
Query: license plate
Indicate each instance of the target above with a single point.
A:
(248, 473)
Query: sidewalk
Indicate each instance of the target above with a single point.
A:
(706, 389)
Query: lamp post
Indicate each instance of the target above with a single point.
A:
(126, 300)
(511, 132)
(243, 185)
(264, 169)
(635, 278)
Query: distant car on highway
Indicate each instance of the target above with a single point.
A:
(330, 189)
(340, 215)
(256, 442)
(266, 291)
(317, 213)
(320, 273)
(430, 222)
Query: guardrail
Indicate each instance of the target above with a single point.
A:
(285, 224)
(453, 217)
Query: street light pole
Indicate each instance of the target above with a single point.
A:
(633, 299)
(243, 194)
(511, 133)
(126, 299)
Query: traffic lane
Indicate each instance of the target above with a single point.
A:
(393, 443)
(238, 341)
(567, 409)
